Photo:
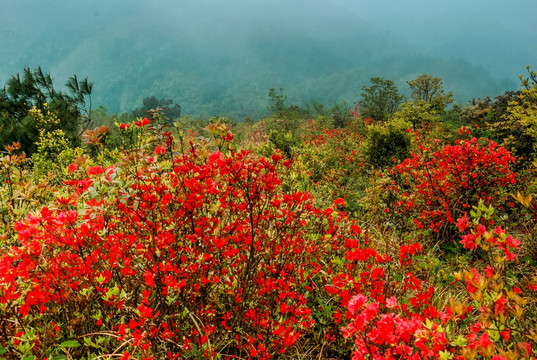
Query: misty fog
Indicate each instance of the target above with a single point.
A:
(221, 57)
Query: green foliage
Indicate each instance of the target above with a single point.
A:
(316, 108)
(53, 150)
(531, 80)
(485, 112)
(453, 117)
(277, 102)
(418, 113)
(340, 114)
(23, 131)
(100, 116)
(36, 89)
(521, 124)
(169, 109)
(387, 144)
(429, 89)
(219, 120)
(11, 174)
(189, 123)
(278, 108)
(219, 128)
(517, 126)
(283, 141)
(380, 100)
(328, 163)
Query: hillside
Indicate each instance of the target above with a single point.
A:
(224, 59)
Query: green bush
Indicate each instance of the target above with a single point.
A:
(386, 143)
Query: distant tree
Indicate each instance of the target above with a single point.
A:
(518, 125)
(171, 110)
(35, 89)
(418, 113)
(284, 118)
(486, 111)
(100, 116)
(316, 108)
(453, 117)
(340, 114)
(429, 89)
(380, 99)
(277, 100)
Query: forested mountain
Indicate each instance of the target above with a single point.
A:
(221, 57)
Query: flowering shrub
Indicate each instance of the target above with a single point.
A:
(192, 258)
(19, 194)
(489, 317)
(11, 164)
(189, 248)
(329, 163)
(437, 186)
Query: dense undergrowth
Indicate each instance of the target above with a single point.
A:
(286, 239)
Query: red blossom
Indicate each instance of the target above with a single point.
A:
(462, 223)
(499, 305)
(95, 170)
(142, 123)
(72, 168)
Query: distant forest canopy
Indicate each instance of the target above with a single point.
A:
(380, 102)
(257, 104)
(223, 63)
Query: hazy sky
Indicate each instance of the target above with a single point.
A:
(116, 42)
(423, 19)
(449, 27)
(416, 15)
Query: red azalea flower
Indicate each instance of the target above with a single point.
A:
(462, 223)
(96, 170)
(143, 122)
(72, 168)
(339, 201)
(499, 305)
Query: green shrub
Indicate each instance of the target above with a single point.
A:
(386, 143)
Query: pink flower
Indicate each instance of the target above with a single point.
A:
(149, 279)
(489, 272)
(468, 242)
(499, 305)
(391, 303)
(145, 311)
(159, 150)
(356, 302)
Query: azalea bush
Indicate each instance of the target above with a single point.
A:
(177, 245)
(486, 314)
(12, 163)
(177, 256)
(329, 163)
(436, 185)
